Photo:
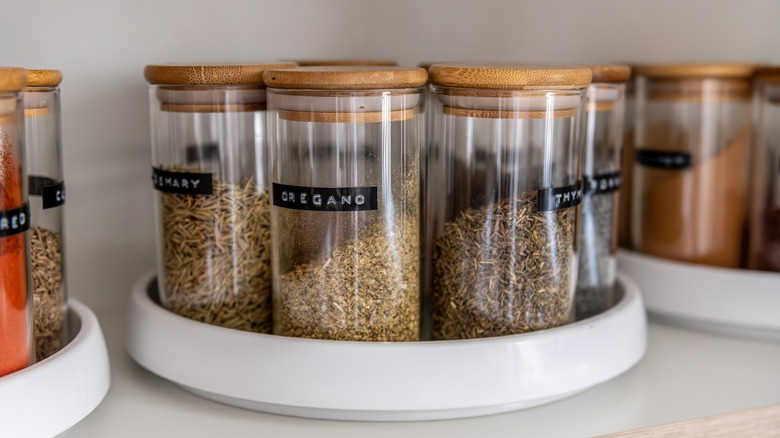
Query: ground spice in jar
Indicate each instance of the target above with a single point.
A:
(46, 257)
(497, 270)
(217, 256)
(698, 215)
(14, 348)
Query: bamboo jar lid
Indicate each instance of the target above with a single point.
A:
(345, 77)
(337, 62)
(768, 73)
(43, 78)
(209, 74)
(694, 71)
(12, 78)
(511, 76)
(610, 73)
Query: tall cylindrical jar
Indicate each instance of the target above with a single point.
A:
(627, 167)
(210, 175)
(765, 208)
(16, 342)
(690, 179)
(47, 196)
(601, 175)
(346, 145)
(505, 259)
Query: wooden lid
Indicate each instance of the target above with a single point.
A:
(43, 78)
(610, 73)
(685, 71)
(511, 76)
(335, 62)
(768, 73)
(345, 77)
(12, 78)
(209, 74)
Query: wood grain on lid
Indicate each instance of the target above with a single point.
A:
(43, 78)
(12, 78)
(768, 73)
(610, 73)
(209, 74)
(511, 76)
(345, 77)
(336, 62)
(682, 71)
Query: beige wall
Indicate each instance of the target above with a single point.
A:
(102, 46)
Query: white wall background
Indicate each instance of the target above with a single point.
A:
(102, 45)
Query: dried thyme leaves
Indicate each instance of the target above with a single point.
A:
(48, 294)
(596, 278)
(503, 269)
(368, 291)
(217, 256)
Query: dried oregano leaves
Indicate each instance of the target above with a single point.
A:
(217, 256)
(504, 269)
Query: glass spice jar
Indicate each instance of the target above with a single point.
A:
(601, 166)
(346, 144)
(212, 205)
(16, 350)
(690, 176)
(47, 195)
(627, 167)
(505, 259)
(765, 201)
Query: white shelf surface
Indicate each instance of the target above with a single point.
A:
(684, 374)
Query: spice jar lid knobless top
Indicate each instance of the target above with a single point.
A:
(44, 78)
(344, 62)
(610, 73)
(511, 76)
(12, 78)
(693, 71)
(345, 77)
(768, 73)
(209, 74)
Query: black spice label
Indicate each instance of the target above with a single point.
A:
(182, 183)
(558, 198)
(52, 191)
(15, 221)
(325, 198)
(664, 160)
(603, 183)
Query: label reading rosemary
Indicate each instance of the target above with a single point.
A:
(558, 198)
(604, 183)
(664, 160)
(15, 221)
(325, 198)
(182, 183)
(52, 191)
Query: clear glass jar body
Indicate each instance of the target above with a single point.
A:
(16, 341)
(690, 176)
(765, 208)
(212, 204)
(601, 166)
(47, 196)
(346, 213)
(627, 168)
(505, 231)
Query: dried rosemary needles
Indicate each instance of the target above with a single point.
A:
(48, 299)
(217, 256)
(504, 269)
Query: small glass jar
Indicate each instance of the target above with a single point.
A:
(346, 144)
(690, 179)
(16, 340)
(505, 257)
(47, 195)
(627, 168)
(212, 205)
(765, 208)
(601, 166)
